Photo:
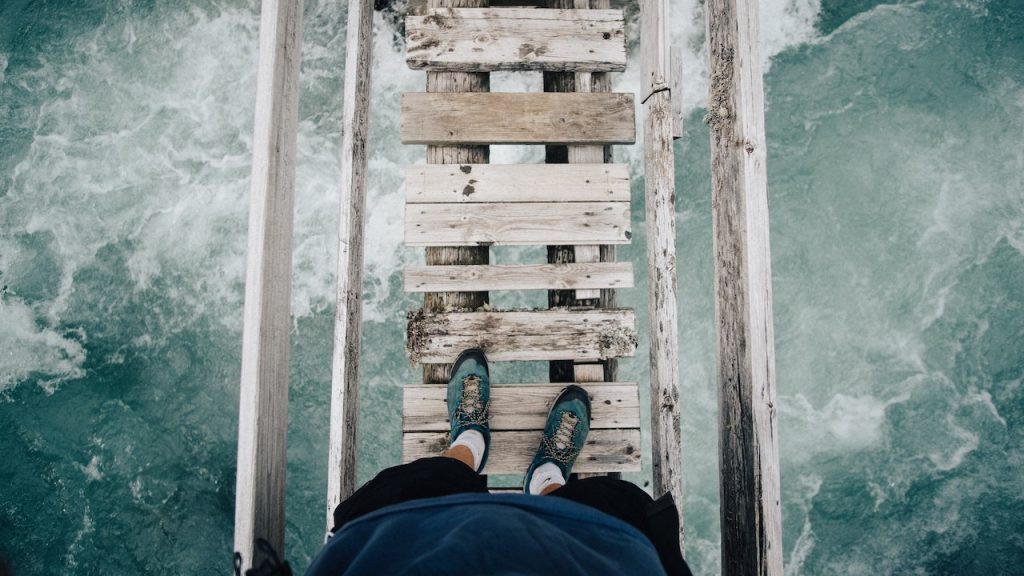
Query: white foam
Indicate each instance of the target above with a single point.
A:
(845, 423)
(26, 349)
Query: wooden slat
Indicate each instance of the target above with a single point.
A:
(485, 40)
(599, 275)
(471, 183)
(523, 406)
(517, 118)
(556, 334)
(517, 224)
(511, 452)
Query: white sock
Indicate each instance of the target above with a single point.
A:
(545, 475)
(473, 440)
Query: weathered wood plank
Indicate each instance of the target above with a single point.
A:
(519, 277)
(341, 457)
(517, 118)
(522, 406)
(486, 40)
(660, 194)
(512, 451)
(557, 334)
(263, 401)
(745, 372)
(520, 224)
(473, 183)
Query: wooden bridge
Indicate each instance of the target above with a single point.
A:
(577, 204)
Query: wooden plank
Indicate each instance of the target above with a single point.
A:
(745, 371)
(518, 277)
(487, 39)
(517, 224)
(522, 406)
(473, 183)
(557, 334)
(512, 451)
(450, 82)
(660, 194)
(517, 118)
(263, 402)
(341, 455)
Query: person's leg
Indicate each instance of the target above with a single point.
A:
(456, 470)
(628, 502)
(424, 478)
(619, 498)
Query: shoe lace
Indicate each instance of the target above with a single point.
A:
(560, 445)
(472, 409)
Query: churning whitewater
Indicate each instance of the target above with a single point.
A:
(896, 182)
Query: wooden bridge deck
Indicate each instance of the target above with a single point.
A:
(578, 205)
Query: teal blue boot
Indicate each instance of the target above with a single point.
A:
(565, 432)
(469, 398)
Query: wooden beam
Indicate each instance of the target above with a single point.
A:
(472, 183)
(517, 224)
(655, 48)
(748, 448)
(660, 193)
(519, 277)
(517, 118)
(446, 83)
(523, 406)
(512, 451)
(341, 456)
(557, 334)
(486, 40)
(677, 92)
(263, 405)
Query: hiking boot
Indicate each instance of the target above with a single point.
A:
(564, 433)
(469, 397)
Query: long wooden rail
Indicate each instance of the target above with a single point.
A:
(748, 434)
(263, 399)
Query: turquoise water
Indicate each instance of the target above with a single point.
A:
(897, 196)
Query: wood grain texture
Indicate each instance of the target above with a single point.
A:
(517, 118)
(558, 334)
(341, 458)
(517, 224)
(449, 82)
(512, 451)
(522, 406)
(660, 194)
(473, 183)
(751, 516)
(263, 402)
(518, 277)
(486, 40)
(655, 50)
(677, 92)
